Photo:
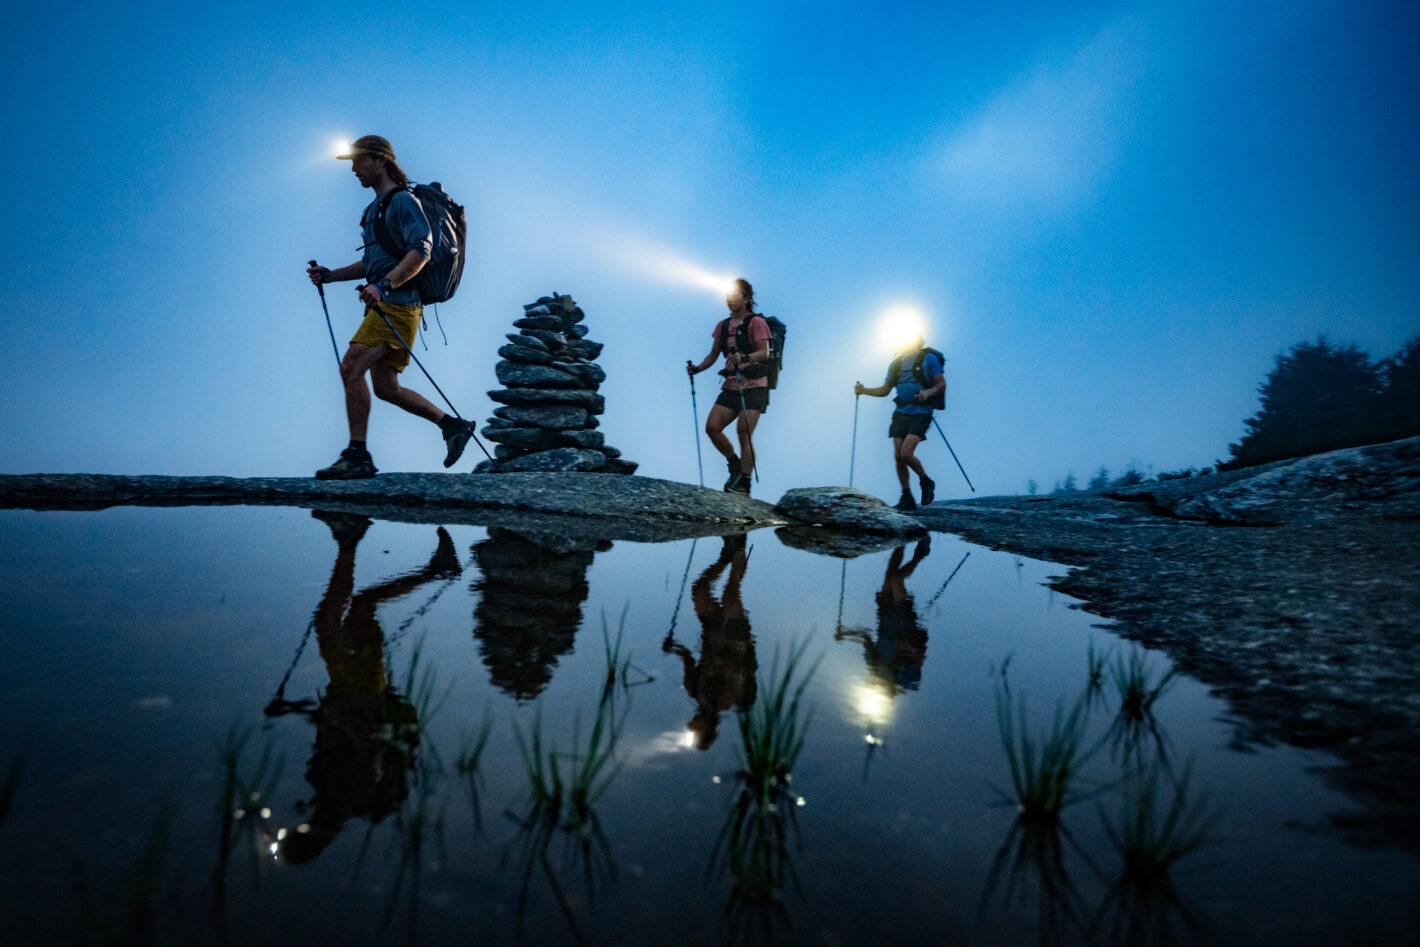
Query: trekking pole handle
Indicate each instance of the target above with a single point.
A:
(319, 288)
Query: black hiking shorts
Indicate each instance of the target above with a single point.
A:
(755, 399)
(914, 424)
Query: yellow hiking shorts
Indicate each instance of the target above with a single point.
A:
(373, 331)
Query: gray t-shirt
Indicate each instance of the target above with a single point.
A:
(410, 230)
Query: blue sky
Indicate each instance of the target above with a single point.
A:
(1114, 215)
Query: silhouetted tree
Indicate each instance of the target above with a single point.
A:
(1398, 411)
(1318, 397)
(1100, 480)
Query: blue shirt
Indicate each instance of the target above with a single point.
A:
(907, 386)
(409, 228)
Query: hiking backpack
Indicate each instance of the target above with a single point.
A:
(777, 331)
(937, 402)
(448, 225)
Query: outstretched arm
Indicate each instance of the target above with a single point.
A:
(878, 392)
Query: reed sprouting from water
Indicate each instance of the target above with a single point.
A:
(1136, 685)
(140, 903)
(754, 845)
(563, 790)
(1139, 689)
(469, 760)
(1161, 823)
(241, 804)
(1045, 767)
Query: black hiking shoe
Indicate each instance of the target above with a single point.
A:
(456, 439)
(347, 528)
(352, 465)
(906, 504)
(734, 465)
(929, 490)
(740, 485)
(444, 564)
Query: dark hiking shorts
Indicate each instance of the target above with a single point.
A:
(914, 424)
(756, 399)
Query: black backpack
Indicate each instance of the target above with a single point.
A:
(448, 225)
(771, 368)
(937, 402)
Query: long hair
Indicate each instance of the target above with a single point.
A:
(748, 292)
(397, 175)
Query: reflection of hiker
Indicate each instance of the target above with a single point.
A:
(916, 373)
(366, 731)
(743, 337)
(895, 657)
(387, 291)
(723, 677)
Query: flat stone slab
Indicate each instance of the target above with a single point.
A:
(608, 506)
(844, 508)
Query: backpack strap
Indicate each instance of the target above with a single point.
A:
(383, 236)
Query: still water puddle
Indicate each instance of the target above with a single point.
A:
(243, 724)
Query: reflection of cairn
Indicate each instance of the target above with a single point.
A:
(548, 416)
(530, 605)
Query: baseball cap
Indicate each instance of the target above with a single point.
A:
(369, 145)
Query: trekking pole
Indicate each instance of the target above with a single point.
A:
(749, 437)
(436, 386)
(695, 414)
(853, 452)
(953, 453)
(333, 347)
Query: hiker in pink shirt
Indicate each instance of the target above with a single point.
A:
(743, 338)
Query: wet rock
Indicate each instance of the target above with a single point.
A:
(525, 355)
(830, 542)
(618, 466)
(539, 322)
(551, 341)
(548, 416)
(530, 438)
(569, 459)
(583, 438)
(538, 308)
(517, 375)
(844, 508)
(578, 331)
(590, 400)
(525, 338)
(587, 350)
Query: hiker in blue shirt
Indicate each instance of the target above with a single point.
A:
(392, 310)
(916, 373)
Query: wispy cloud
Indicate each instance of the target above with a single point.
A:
(1046, 139)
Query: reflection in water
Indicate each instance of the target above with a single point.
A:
(1150, 836)
(563, 790)
(366, 731)
(530, 605)
(723, 675)
(755, 844)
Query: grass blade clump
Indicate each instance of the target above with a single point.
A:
(1161, 824)
(754, 845)
(1045, 768)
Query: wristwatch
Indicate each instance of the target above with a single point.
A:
(384, 287)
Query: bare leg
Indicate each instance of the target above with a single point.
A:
(715, 424)
(748, 421)
(387, 388)
(906, 455)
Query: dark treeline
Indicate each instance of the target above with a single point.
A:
(1320, 396)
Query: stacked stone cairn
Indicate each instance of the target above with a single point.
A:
(547, 417)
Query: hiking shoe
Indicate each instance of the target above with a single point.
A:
(347, 528)
(456, 441)
(906, 504)
(734, 465)
(740, 485)
(351, 465)
(929, 490)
